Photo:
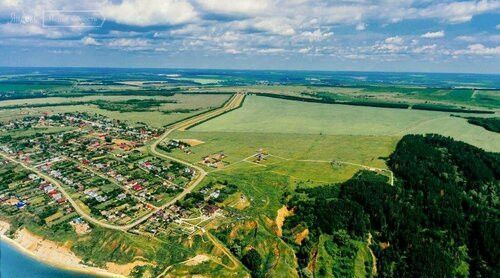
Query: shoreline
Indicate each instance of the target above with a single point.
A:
(72, 267)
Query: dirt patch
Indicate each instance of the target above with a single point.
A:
(196, 260)
(124, 144)
(4, 227)
(242, 203)
(12, 201)
(124, 269)
(301, 236)
(282, 214)
(81, 228)
(312, 264)
(192, 142)
(247, 226)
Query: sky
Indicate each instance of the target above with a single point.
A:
(360, 35)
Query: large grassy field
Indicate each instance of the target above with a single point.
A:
(289, 152)
(475, 99)
(155, 118)
(267, 115)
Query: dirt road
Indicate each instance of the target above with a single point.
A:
(232, 104)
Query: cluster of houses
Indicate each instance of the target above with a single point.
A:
(25, 123)
(103, 128)
(214, 160)
(52, 192)
(92, 193)
(36, 187)
(177, 144)
(211, 194)
(91, 143)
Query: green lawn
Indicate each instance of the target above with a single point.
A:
(267, 115)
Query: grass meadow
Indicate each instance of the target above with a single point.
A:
(267, 115)
(298, 157)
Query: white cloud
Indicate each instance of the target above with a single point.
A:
(394, 40)
(305, 50)
(479, 49)
(458, 12)
(271, 50)
(315, 36)
(275, 26)
(231, 7)
(90, 41)
(360, 26)
(425, 49)
(466, 38)
(338, 14)
(129, 44)
(232, 51)
(433, 35)
(29, 30)
(355, 56)
(494, 38)
(390, 48)
(246, 27)
(150, 12)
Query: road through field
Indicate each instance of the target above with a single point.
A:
(232, 104)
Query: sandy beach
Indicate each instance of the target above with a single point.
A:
(51, 253)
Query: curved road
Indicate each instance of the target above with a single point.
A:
(233, 103)
(77, 208)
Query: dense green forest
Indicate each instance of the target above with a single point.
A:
(440, 219)
(491, 124)
(131, 105)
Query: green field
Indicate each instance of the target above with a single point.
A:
(155, 118)
(288, 152)
(267, 115)
(474, 99)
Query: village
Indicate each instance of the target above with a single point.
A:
(22, 192)
(105, 167)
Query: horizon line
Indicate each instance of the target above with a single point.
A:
(243, 69)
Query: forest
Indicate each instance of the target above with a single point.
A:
(491, 124)
(440, 219)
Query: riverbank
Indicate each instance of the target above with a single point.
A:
(49, 252)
